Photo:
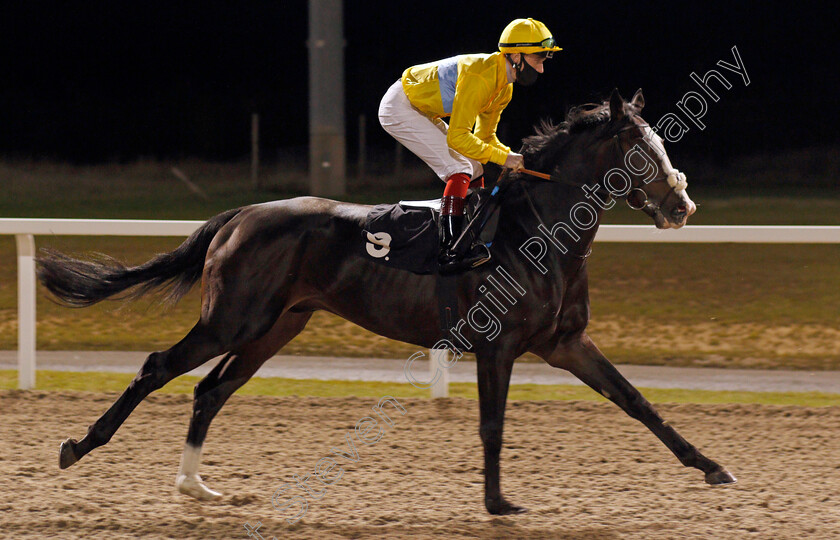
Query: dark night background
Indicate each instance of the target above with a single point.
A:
(91, 82)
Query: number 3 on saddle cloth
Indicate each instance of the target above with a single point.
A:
(405, 235)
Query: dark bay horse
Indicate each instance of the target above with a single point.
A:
(264, 270)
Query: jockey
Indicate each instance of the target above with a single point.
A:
(472, 90)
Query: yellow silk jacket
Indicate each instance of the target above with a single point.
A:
(473, 90)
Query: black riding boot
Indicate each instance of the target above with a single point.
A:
(451, 224)
(450, 229)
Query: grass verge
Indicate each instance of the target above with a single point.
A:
(273, 386)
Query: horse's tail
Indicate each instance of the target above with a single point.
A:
(81, 283)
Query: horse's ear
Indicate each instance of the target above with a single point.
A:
(638, 99)
(616, 105)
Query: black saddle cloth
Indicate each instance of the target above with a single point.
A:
(406, 237)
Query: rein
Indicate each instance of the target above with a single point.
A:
(537, 174)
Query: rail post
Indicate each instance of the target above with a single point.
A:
(437, 360)
(26, 310)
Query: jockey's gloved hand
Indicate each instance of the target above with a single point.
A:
(515, 161)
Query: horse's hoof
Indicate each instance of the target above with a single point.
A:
(501, 507)
(720, 477)
(194, 487)
(66, 455)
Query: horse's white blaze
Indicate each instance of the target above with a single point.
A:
(188, 481)
(676, 179)
(655, 141)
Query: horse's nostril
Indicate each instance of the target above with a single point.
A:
(679, 211)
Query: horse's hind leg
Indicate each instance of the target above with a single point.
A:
(214, 389)
(198, 346)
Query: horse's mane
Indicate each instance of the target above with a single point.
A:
(549, 138)
(579, 118)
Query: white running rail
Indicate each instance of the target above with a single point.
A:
(25, 231)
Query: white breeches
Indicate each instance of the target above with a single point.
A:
(424, 137)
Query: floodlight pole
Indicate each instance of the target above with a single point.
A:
(327, 153)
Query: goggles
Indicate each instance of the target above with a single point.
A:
(547, 43)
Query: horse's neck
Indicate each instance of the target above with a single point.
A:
(570, 199)
(561, 213)
(563, 206)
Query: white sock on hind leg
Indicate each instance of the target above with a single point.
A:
(188, 481)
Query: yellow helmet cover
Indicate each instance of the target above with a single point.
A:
(526, 36)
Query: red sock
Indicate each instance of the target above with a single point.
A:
(457, 185)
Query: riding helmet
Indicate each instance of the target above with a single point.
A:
(527, 36)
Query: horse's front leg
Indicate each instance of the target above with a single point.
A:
(583, 359)
(493, 381)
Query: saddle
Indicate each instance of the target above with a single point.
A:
(405, 235)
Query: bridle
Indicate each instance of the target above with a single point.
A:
(675, 179)
(636, 197)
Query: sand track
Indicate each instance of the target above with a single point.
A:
(584, 470)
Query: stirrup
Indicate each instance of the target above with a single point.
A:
(479, 258)
(478, 255)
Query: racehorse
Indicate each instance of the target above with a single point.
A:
(265, 268)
